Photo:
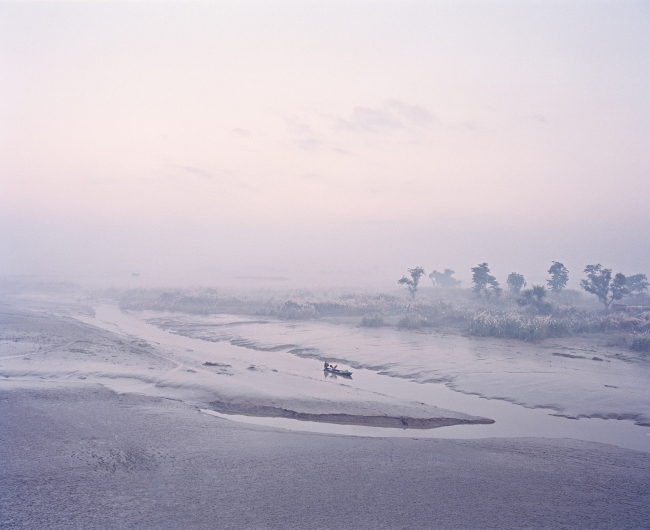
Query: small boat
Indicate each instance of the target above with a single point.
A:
(344, 373)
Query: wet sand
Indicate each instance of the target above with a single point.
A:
(65, 351)
(100, 427)
(274, 367)
(577, 377)
(87, 457)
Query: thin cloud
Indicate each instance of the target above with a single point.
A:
(296, 127)
(310, 142)
(413, 113)
(303, 135)
(340, 151)
(241, 132)
(369, 119)
(393, 115)
(198, 171)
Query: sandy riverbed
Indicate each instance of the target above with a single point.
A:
(85, 458)
(63, 351)
(100, 427)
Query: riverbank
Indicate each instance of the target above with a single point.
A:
(101, 427)
(87, 457)
(120, 353)
(470, 387)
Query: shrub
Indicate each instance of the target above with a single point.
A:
(516, 326)
(617, 341)
(641, 344)
(297, 310)
(410, 322)
(374, 321)
(532, 320)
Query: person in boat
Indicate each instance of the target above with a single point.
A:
(327, 365)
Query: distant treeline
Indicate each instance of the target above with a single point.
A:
(556, 314)
(598, 280)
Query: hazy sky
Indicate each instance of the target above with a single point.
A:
(307, 139)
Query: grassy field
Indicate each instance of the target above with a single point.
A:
(568, 313)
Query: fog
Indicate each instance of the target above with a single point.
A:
(218, 226)
(321, 143)
(370, 255)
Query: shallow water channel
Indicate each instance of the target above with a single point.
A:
(259, 369)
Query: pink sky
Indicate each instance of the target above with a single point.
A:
(285, 136)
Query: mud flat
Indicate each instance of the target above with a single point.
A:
(87, 457)
(270, 374)
(575, 377)
(101, 427)
(37, 347)
(403, 417)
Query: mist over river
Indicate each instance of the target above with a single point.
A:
(164, 420)
(270, 371)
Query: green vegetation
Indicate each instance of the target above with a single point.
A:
(641, 344)
(516, 282)
(372, 321)
(637, 283)
(444, 279)
(505, 317)
(531, 314)
(599, 282)
(559, 277)
(412, 282)
(484, 282)
(535, 298)
(516, 326)
(412, 321)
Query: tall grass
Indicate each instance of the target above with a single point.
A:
(372, 321)
(496, 318)
(518, 325)
(641, 344)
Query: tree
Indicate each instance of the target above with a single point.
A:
(444, 279)
(619, 287)
(481, 278)
(637, 283)
(412, 283)
(535, 297)
(559, 277)
(515, 282)
(599, 282)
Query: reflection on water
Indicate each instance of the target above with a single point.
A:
(330, 375)
(278, 367)
(620, 433)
